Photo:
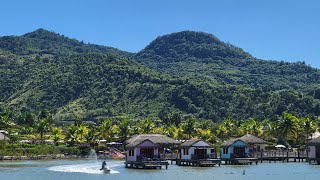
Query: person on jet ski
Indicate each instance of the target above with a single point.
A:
(103, 165)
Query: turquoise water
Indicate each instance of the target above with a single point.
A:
(89, 169)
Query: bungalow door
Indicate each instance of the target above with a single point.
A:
(239, 151)
(200, 153)
(147, 152)
(318, 151)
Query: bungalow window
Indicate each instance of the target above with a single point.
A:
(225, 150)
(131, 152)
(185, 151)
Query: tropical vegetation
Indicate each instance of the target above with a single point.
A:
(80, 136)
(184, 85)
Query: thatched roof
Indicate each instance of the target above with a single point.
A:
(229, 142)
(137, 143)
(251, 139)
(158, 139)
(315, 141)
(248, 139)
(189, 143)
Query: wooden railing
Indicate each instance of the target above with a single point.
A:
(204, 156)
(280, 153)
(169, 156)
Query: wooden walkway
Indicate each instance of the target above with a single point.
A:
(263, 156)
(146, 164)
(240, 161)
(199, 162)
(284, 156)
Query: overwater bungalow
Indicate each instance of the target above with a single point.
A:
(143, 151)
(314, 148)
(197, 152)
(242, 149)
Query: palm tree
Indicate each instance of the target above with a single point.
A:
(124, 130)
(230, 127)
(146, 126)
(105, 130)
(72, 135)
(171, 131)
(287, 126)
(205, 134)
(90, 137)
(269, 129)
(245, 128)
(308, 127)
(180, 133)
(189, 127)
(42, 126)
(206, 124)
(82, 131)
(257, 128)
(222, 131)
(227, 129)
(56, 135)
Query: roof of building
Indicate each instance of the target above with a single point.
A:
(137, 143)
(251, 139)
(158, 139)
(4, 132)
(315, 141)
(248, 139)
(189, 143)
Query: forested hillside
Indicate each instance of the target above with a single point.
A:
(188, 73)
(192, 54)
(46, 43)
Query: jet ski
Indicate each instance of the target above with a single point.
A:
(105, 169)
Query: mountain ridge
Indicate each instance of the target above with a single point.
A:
(190, 53)
(40, 72)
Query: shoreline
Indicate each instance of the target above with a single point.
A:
(48, 157)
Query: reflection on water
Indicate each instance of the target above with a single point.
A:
(89, 169)
(17, 165)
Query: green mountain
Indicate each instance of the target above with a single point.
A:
(46, 43)
(46, 70)
(189, 53)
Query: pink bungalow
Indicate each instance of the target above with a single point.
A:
(143, 151)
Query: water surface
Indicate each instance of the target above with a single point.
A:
(89, 169)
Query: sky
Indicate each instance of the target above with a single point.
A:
(287, 30)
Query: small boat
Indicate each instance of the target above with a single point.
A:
(105, 170)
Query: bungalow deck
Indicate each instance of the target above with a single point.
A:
(199, 162)
(283, 156)
(241, 161)
(146, 164)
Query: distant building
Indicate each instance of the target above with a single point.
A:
(195, 149)
(314, 146)
(242, 147)
(143, 151)
(146, 147)
(4, 135)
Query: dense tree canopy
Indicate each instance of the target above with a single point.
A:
(192, 74)
(200, 54)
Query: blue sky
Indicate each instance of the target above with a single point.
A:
(286, 30)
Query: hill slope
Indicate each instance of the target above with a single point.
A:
(45, 70)
(46, 43)
(189, 53)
